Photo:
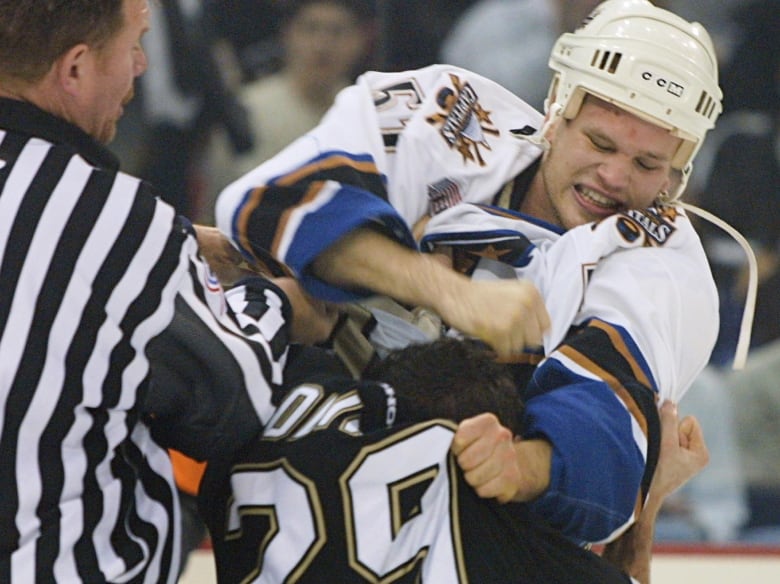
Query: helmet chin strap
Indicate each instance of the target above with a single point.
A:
(743, 343)
(540, 137)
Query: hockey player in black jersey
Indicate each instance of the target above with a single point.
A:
(354, 481)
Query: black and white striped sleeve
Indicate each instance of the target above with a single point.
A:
(215, 367)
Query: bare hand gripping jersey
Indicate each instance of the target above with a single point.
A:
(318, 500)
(632, 301)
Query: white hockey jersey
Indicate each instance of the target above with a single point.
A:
(644, 271)
(411, 143)
(632, 301)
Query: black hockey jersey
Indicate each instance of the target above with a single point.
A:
(340, 489)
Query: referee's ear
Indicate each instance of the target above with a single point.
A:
(72, 70)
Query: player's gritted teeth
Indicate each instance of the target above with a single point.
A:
(596, 202)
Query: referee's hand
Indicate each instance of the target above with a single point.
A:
(224, 259)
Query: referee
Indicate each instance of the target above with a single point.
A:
(98, 278)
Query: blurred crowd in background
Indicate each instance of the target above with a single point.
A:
(234, 81)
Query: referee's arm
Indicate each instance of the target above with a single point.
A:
(215, 367)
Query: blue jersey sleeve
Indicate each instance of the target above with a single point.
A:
(603, 425)
(297, 215)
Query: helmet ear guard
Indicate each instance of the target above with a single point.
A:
(647, 61)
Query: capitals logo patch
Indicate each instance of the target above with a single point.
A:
(649, 227)
(463, 123)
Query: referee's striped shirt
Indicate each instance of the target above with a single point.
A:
(91, 267)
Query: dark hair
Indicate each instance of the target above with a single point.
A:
(450, 378)
(35, 33)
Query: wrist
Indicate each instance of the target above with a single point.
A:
(534, 462)
(442, 289)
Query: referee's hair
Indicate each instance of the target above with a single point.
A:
(450, 378)
(34, 34)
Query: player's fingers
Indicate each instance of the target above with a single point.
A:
(533, 320)
(496, 488)
(668, 414)
(691, 429)
(485, 451)
(524, 335)
(496, 476)
(693, 435)
(535, 329)
(669, 423)
(471, 430)
(542, 321)
(684, 430)
(515, 319)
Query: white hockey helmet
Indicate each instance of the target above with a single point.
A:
(647, 61)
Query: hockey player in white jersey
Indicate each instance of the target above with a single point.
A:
(579, 204)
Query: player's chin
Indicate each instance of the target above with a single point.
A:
(576, 216)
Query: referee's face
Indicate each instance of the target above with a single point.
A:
(116, 65)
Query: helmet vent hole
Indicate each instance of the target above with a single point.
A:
(606, 60)
(706, 105)
(711, 109)
(613, 65)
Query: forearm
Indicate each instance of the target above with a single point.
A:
(632, 551)
(509, 315)
(683, 454)
(534, 459)
(372, 261)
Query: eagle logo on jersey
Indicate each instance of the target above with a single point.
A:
(463, 123)
(648, 227)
